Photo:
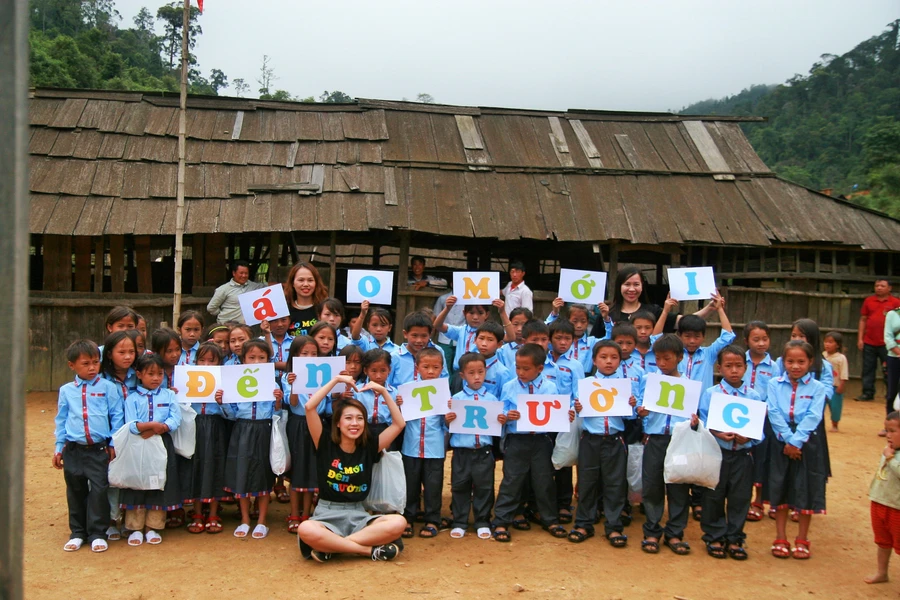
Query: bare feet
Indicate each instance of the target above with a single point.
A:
(834, 430)
(877, 578)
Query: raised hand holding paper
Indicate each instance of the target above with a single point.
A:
(476, 287)
(584, 287)
(375, 286)
(264, 305)
(543, 413)
(604, 397)
(476, 418)
(691, 283)
(731, 414)
(248, 383)
(676, 396)
(313, 373)
(424, 398)
(197, 384)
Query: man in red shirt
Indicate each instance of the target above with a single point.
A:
(870, 337)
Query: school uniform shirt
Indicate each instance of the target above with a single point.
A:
(168, 380)
(189, 356)
(507, 354)
(376, 407)
(565, 373)
(254, 411)
(826, 377)
(516, 296)
(87, 412)
(343, 340)
(123, 388)
(657, 423)
(366, 344)
(647, 362)
(582, 349)
(468, 440)
(632, 371)
(723, 387)
(464, 336)
(699, 365)
(611, 425)
(757, 376)
(302, 399)
(424, 438)
(233, 359)
(496, 376)
(403, 365)
(510, 397)
(803, 406)
(280, 351)
(159, 405)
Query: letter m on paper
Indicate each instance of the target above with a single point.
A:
(475, 290)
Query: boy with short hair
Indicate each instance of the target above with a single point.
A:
(276, 333)
(464, 335)
(644, 322)
(89, 412)
(472, 466)
(516, 292)
(417, 330)
(579, 316)
(517, 319)
(487, 339)
(884, 495)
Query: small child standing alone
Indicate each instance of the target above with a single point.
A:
(885, 496)
(834, 354)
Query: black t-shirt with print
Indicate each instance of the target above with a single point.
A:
(302, 320)
(344, 476)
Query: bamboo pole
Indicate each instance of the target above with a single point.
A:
(179, 190)
(332, 264)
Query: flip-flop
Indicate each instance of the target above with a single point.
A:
(99, 545)
(113, 534)
(136, 538)
(484, 533)
(153, 538)
(73, 544)
(457, 533)
(242, 530)
(259, 532)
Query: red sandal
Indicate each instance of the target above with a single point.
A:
(800, 550)
(756, 512)
(781, 549)
(293, 523)
(197, 524)
(214, 524)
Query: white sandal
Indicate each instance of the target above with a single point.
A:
(242, 531)
(113, 534)
(484, 533)
(73, 545)
(153, 538)
(136, 538)
(457, 533)
(99, 545)
(260, 531)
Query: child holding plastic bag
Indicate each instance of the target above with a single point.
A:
(152, 410)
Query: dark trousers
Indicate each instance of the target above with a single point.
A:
(564, 488)
(697, 493)
(873, 357)
(527, 459)
(85, 470)
(424, 478)
(893, 380)
(472, 485)
(602, 460)
(655, 492)
(725, 508)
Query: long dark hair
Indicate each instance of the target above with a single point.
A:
(338, 409)
(810, 330)
(290, 294)
(113, 340)
(625, 274)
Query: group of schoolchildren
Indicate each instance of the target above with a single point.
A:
(131, 381)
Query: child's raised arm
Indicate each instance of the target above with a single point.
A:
(357, 327)
(668, 306)
(439, 319)
(396, 427)
(720, 308)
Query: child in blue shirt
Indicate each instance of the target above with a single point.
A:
(488, 338)
(417, 331)
(464, 335)
(625, 335)
(276, 333)
(332, 312)
(517, 319)
(602, 457)
(644, 322)
(378, 322)
(237, 337)
(725, 509)
(190, 328)
(578, 316)
(378, 367)
(472, 466)
(166, 344)
(89, 411)
(760, 369)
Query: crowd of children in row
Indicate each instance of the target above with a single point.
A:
(522, 355)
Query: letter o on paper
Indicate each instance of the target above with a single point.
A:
(369, 286)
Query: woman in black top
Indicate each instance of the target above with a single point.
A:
(344, 460)
(304, 291)
(630, 296)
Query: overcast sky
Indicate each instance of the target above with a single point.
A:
(623, 55)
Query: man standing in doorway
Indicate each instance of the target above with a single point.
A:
(870, 337)
(224, 305)
(516, 293)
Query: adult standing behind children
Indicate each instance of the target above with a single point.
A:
(516, 293)
(870, 334)
(224, 305)
(630, 296)
(304, 291)
(419, 280)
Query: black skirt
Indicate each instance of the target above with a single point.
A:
(247, 470)
(760, 454)
(799, 484)
(169, 498)
(203, 476)
(303, 455)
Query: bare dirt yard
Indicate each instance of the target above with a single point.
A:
(534, 565)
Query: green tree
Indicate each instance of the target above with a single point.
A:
(172, 18)
(335, 97)
(240, 87)
(218, 80)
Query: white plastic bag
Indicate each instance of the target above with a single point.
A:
(388, 491)
(279, 455)
(139, 464)
(693, 457)
(184, 438)
(565, 451)
(897, 402)
(634, 472)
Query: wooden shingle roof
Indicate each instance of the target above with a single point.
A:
(105, 163)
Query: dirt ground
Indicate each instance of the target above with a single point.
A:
(208, 566)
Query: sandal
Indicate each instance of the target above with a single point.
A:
(76, 543)
(99, 545)
(650, 546)
(428, 531)
(484, 533)
(214, 524)
(565, 515)
(800, 550)
(259, 532)
(557, 530)
(446, 523)
(502, 535)
(576, 537)
(457, 533)
(697, 512)
(781, 549)
(737, 552)
(242, 530)
(175, 519)
(408, 532)
(681, 548)
(521, 524)
(153, 538)
(795, 516)
(716, 551)
(617, 541)
(136, 538)
(293, 523)
(772, 512)
(113, 534)
(756, 512)
(282, 495)
(197, 524)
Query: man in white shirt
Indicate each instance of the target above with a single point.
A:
(516, 293)
(224, 304)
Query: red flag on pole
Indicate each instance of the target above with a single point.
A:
(200, 4)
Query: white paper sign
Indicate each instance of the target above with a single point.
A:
(604, 397)
(731, 414)
(476, 418)
(314, 372)
(248, 383)
(197, 384)
(582, 287)
(476, 287)
(543, 413)
(425, 398)
(375, 286)
(676, 396)
(264, 305)
(691, 283)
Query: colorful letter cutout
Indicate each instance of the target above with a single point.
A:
(604, 397)
(476, 287)
(676, 396)
(731, 414)
(375, 286)
(543, 413)
(264, 305)
(313, 373)
(692, 283)
(476, 418)
(425, 398)
(582, 287)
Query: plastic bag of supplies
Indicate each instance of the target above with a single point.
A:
(693, 457)
(140, 464)
(184, 438)
(388, 491)
(279, 455)
(565, 451)
(634, 472)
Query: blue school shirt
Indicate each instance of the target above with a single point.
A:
(366, 344)
(804, 407)
(612, 425)
(657, 423)
(302, 399)
(159, 405)
(424, 438)
(758, 376)
(464, 336)
(510, 397)
(826, 377)
(280, 350)
(497, 375)
(255, 411)
(168, 381)
(100, 399)
(232, 359)
(403, 365)
(468, 440)
(699, 365)
(565, 373)
(342, 340)
(632, 370)
(189, 357)
(723, 387)
(123, 388)
(376, 407)
(507, 355)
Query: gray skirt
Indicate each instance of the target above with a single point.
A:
(341, 518)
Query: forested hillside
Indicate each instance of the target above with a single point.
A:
(837, 127)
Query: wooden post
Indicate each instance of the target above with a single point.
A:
(215, 268)
(99, 263)
(142, 264)
(613, 272)
(182, 142)
(274, 253)
(117, 263)
(198, 254)
(376, 255)
(332, 264)
(14, 273)
(82, 264)
(402, 279)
